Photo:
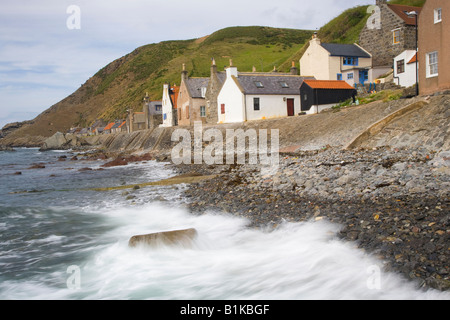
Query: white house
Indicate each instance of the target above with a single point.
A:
(330, 61)
(256, 96)
(169, 105)
(405, 68)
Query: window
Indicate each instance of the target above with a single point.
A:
(179, 114)
(187, 112)
(351, 61)
(165, 116)
(350, 76)
(437, 15)
(203, 92)
(400, 66)
(158, 107)
(259, 84)
(432, 64)
(339, 76)
(284, 84)
(222, 108)
(256, 105)
(396, 36)
(203, 112)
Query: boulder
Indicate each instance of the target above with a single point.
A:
(182, 238)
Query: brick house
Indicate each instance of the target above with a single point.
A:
(388, 33)
(434, 46)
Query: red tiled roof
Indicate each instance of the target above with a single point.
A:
(413, 59)
(400, 11)
(328, 84)
(109, 126)
(123, 123)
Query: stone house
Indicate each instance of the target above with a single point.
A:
(191, 99)
(257, 96)
(434, 47)
(215, 85)
(330, 61)
(389, 32)
(149, 118)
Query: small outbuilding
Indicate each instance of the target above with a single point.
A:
(318, 95)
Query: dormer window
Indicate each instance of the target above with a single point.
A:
(259, 84)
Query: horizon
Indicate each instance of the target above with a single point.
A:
(51, 48)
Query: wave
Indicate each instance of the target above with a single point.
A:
(296, 261)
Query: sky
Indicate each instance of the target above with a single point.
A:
(49, 48)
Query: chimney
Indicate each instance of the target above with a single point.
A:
(254, 69)
(184, 73)
(232, 71)
(294, 70)
(213, 66)
(315, 40)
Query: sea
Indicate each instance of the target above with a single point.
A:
(62, 240)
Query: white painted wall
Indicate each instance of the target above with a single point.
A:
(233, 98)
(407, 78)
(315, 61)
(271, 106)
(167, 107)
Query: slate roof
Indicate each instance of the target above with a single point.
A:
(195, 86)
(271, 84)
(345, 50)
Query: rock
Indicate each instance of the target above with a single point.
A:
(37, 166)
(182, 238)
(57, 141)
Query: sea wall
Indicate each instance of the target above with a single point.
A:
(418, 122)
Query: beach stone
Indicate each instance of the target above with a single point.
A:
(182, 238)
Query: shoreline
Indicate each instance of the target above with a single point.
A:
(391, 203)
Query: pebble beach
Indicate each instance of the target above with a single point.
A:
(390, 202)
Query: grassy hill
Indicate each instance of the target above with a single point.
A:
(123, 83)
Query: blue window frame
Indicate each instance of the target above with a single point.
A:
(351, 61)
(339, 76)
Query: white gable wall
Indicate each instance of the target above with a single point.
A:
(167, 108)
(407, 78)
(233, 98)
(316, 61)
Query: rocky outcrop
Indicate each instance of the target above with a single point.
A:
(64, 141)
(182, 238)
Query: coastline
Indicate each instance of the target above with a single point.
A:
(392, 203)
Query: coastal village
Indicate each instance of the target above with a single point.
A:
(400, 47)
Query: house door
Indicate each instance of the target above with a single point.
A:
(363, 76)
(290, 107)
